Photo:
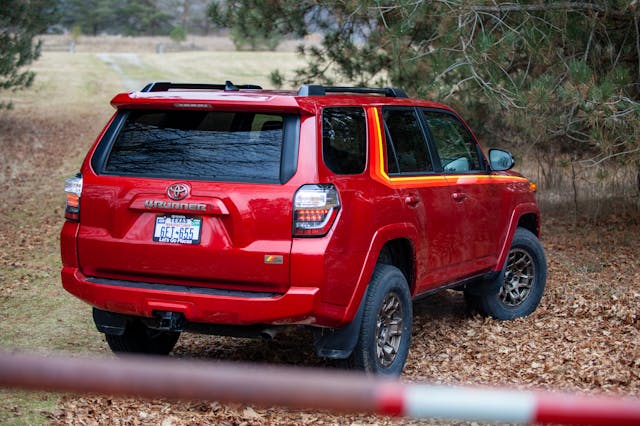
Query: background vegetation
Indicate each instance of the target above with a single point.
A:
(553, 80)
(558, 82)
(18, 26)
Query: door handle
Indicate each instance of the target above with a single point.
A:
(411, 200)
(459, 197)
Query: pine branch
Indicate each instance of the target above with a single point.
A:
(563, 5)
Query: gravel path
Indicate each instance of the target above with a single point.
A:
(119, 60)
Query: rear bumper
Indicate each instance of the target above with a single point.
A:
(297, 305)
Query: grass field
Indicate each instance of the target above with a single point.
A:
(585, 336)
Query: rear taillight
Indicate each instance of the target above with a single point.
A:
(315, 208)
(73, 190)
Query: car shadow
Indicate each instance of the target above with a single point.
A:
(294, 345)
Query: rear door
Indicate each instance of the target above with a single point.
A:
(195, 198)
(425, 194)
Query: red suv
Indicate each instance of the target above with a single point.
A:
(234, 210)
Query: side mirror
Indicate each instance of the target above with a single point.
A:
(501, 160)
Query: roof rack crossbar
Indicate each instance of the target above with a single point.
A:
(165, 86)
(318, 90)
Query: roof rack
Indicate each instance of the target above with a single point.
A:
(165, 86)
(318, 90)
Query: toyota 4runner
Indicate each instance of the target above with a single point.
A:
(234, 210)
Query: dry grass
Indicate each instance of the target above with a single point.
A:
(582, 188)
(118, 43)
(584, 337)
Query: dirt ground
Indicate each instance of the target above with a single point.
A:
(584, 337)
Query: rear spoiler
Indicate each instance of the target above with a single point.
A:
(165, 86)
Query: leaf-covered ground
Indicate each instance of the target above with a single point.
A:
(584, 337)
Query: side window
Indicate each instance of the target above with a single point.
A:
(344, 140)
(406, 147)
(457, 150)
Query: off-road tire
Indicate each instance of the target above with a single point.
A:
(140, 339)
(521, 282)
(383, 344)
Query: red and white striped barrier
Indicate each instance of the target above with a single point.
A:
(306, 389)
(507, 406)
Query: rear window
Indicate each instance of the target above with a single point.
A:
(408, 153)
(201, 145)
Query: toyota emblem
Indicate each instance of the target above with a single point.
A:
(178, 191)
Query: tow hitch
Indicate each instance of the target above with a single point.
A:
(115, 324)
(166, 321)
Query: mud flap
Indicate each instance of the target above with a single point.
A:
(109, 323)
(338, 343)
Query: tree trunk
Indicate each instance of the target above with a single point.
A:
(185, 16)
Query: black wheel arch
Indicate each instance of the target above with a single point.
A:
(400, 253)
(530, 222)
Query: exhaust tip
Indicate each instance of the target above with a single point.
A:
(268, 333)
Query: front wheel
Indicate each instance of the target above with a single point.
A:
(138, 338)
(522, 280)
(385, 333)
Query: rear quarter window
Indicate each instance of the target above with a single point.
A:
(199, 145)
(344, 140)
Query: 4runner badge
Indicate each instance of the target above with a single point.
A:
(178, 191)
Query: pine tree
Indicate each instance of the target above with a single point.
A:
(20, 22)
(93, 16)
(257, 24)
(560, 78)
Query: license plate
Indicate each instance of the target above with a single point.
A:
(177, 229)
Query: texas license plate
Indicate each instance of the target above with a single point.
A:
(177, 229)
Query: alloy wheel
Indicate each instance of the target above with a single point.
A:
(388, 329)
(518, 278)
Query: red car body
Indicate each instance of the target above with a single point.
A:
(249, 267)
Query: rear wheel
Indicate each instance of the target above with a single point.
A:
(385, 333)
(522, 280)
(138, 338)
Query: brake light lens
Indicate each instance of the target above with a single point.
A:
(73, 190)
(315, 208)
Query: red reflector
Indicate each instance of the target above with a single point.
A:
(72, 216)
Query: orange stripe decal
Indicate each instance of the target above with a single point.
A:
(379, 173)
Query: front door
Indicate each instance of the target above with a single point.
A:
(476, 219)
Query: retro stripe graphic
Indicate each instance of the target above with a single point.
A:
(380, 174)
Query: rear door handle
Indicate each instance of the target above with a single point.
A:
(411, 200)
(459, 196)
